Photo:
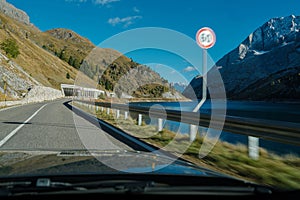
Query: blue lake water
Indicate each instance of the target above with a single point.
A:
(289, 112)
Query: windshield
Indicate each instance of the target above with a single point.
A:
(178, 88)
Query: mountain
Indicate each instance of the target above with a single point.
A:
(71, 37)
(57, 56)
(265, 66)
(66, 45)
(179, 86)
(104, 66)
(13, 12)
(33, 66)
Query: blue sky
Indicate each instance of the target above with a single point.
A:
(98, 20)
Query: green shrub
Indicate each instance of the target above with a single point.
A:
(102, 96)
(68, 76)
(10, 47)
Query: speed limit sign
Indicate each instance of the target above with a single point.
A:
(206, 38)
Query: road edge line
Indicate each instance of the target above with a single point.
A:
(11, 134)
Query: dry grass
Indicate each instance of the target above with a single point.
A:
(3, 97)
(40, 64)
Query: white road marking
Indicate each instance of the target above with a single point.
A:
(11, 134)
(11, 107)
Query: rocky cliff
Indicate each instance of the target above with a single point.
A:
(14, 12)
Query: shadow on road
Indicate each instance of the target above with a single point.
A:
(112, 131)
(15, 123)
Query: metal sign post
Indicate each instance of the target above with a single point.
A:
(5, 90)
(204, 80)
(206, 39)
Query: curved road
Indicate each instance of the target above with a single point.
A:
(50, 126)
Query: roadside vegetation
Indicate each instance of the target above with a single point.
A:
(282, 172)
(10, 47)
(4, 97)
(18, 43)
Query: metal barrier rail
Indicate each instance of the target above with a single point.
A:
(279, 131)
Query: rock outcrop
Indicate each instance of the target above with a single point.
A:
(69, 36)
(14, 12)
(17, 81)
(36, 94)
(41, 93)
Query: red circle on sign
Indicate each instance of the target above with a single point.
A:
(206, 38)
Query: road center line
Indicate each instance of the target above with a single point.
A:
(11, 134)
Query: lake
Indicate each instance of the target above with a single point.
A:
(284, 111)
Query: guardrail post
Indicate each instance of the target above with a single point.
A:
(257, 128)
(253, 147)
(107, 111)
(97, 108)
(160, 124)
(102, 109)
(118, 114)
(140, 119)
(193, 132)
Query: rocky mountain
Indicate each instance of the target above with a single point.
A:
(122, 75)
(107, 67)
(104, 66)
(70, 36)
(265, 66)
(13, 12)
(33, 66)
(179, 86)
(57, 56)
(66, 45)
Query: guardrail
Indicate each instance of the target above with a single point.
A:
(278, 131)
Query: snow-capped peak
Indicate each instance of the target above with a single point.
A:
(274, 33)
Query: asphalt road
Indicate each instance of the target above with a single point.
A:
(51, 126)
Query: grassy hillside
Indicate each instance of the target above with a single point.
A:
(55, 56)
(66, 45)
(37, 62)
(105, 67)
(126, 76)
(151, 91)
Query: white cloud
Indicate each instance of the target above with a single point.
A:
(126, 21)
(189, 69)
(96, 2)
(136, 10)
(104, 2)
(76, 1)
